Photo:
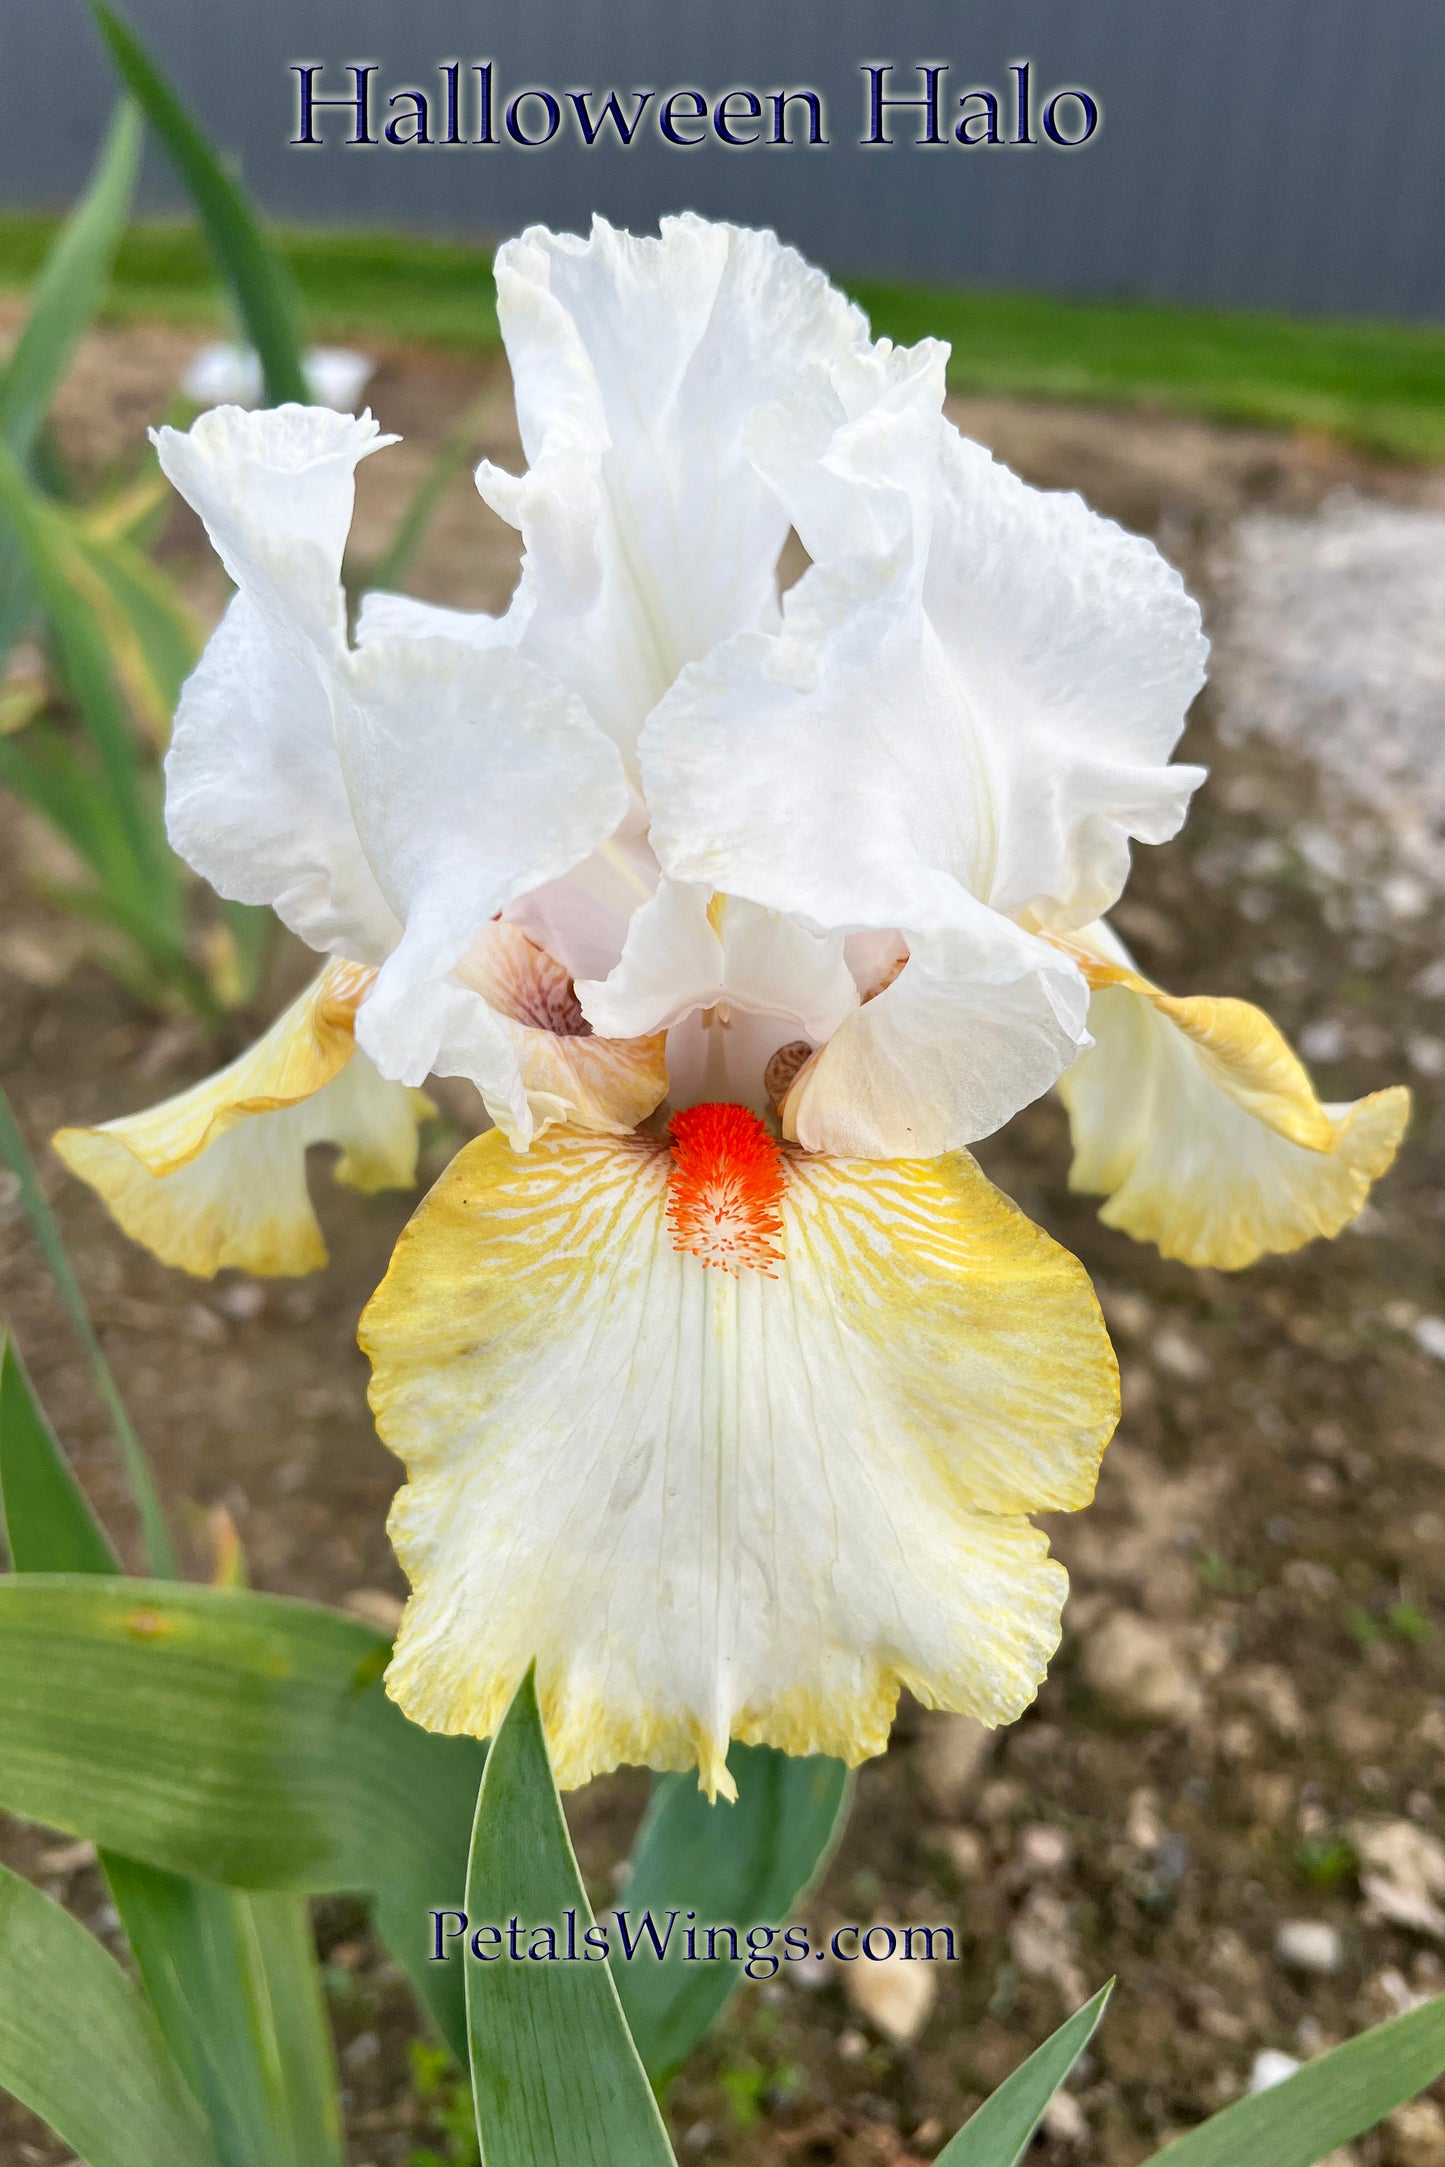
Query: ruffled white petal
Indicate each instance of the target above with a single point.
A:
(217, 1175)
(1197, 1122)
(649, 536)
(971, 1029)
(1078, 653)
(822, 775)
(275, 491)
(966, 714)
(255, 800)
(469, 786)
(711, 1505)
(1060, 653)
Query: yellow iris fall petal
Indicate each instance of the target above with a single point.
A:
(717, 1505)
(1198, 1122)
(217, 1175)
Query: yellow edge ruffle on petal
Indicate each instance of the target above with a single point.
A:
(711, 1506)
(1199, 1123)
(216, 1176)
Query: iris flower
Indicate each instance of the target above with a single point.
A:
(725, 1382)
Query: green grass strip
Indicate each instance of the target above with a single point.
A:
(1378, 385)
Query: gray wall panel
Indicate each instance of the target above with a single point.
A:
(1283, 153)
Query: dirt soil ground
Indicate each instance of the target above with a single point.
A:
(1252, 1679)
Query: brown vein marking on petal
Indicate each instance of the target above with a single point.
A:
(781, 1072)
(521, 980)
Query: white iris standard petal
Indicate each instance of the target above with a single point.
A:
(687, 948)
(470, 786)
(965, 715)
(388, 801)
(795, 772)
(1062, 653)
(649, 534)
(255, 799)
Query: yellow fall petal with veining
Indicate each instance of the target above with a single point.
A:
(751, 1501)
(1198, 1122)
(217, 1175)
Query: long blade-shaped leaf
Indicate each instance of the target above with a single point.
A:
(75, 601)
(240, 1738)
(155, 640)
(259, 280)
(79, 2046)
(233, 1978)
(49, 1526)
(231, 1973)
(1325, 2104)
(556, 2079)
(1002, 2130)
(156, 1538)
(71, 285)
(742, 1865)
(42, 766)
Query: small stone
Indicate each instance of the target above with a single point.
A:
(1045, 1850)
(963, 1848)
(1324, 1040)
(1402, 1875)
(1429, 1336)
(67, 1858)
(1125, 1312)
(1269, 1688)
(1043, 1946)
(1415, 2135)
(1142, 1826)
(360, 2052)
(242, 1301)
(1390, 1994)
(1405, 896)
(1271, 2068)
(950, 1756)
(1310, 1945)
(1000, 1800)
(896, 1994)
(1356, 1732)
(377, 1606)
(1063, 2120)
(1132, 1667)
(1174, 1352)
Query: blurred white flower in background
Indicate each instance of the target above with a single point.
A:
(223, 375)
